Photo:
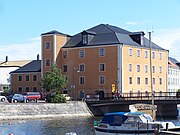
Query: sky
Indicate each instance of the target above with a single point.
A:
(23, 21)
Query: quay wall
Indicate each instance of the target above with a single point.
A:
(14, 111)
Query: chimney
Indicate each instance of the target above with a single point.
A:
(38, 57)
(6, 59)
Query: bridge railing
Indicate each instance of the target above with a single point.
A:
(133, 96)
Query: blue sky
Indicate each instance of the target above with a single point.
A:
(23, 21)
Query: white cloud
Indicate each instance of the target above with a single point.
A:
(21, 51)
(168, 39)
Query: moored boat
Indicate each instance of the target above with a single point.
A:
(130, 123)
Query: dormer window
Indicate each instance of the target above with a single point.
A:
(85, 39)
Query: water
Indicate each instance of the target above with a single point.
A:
(80, 125)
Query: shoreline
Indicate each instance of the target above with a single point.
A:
(44, 110)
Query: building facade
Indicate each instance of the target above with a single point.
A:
(106, 58)
(27, 78)
(173, 76)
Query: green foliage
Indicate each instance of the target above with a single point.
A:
(53, 80)
(57, 98)
(178, 90)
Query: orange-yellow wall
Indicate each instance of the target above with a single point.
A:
(15, 83)
(142, 61)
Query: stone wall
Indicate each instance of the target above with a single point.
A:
(43, 110)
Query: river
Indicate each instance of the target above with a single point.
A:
(80, 125)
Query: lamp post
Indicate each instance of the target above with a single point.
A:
(73, 86)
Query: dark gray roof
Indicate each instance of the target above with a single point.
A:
(173, 60)
(33, 66)
(105, 34)
(54, 32)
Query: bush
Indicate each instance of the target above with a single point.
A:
(57, 98)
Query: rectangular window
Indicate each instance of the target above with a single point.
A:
(138, 80)
(81, 67)
(160, 69)
(130, 67)
(146, 81)
(34, 77)
(48, 45)
(160, 81)
(138, 68)
(65, 68)
(20, 89)
(138, 53)
(65, 54)
(153, 69)
(27, 89)
(160, 56)
(153, 55)
(101, 52)
(130, 52)
(146, 68)
(85, 39)
(101, 79)
(27, 77)
(146, 54)
(81, 53)
(82, 80)
(130, 80)
(48, 62)
(20, 78)
(101, 67)
(153, 81)
(34, 89)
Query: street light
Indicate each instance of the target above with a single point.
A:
(73, 82)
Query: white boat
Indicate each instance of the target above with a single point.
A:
(130, 123)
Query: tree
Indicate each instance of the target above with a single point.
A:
(54, 80)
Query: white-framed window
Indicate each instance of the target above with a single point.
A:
(160, 69)
(48, 62)
(153, 69)
(101, 67)
(146, 68)
(81, 80)
(130, 80)
(138, 80)
(27, 89)
(138, 68)
(65, 68)
(101, 79)
(20, 89)
(130, 52)
(101, 52)
(20, 78)
(138, 53)
(27, 78)
(153, 81)
(65, 54)
(34, 78)
(153, 55)
(81, 53)
(130, 67)
(81, 67)
(85, 39)
(146, 54)
(48, 45)
(146, 81)
(160, 56)
(160, 81)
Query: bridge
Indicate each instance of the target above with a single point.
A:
(166, 102)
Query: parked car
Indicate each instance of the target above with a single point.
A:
(14, 98)
(2, 98)
(33, 96)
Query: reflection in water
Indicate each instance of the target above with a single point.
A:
(60, 126)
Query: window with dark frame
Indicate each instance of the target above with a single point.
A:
(102, 79)
(81, 67)
(20, 89)
(138, 80)
(101, 67)
(34, 77)
(130, 80)
(20, 78)
(65, 68)
(101, 52)
(48, 63)
(27, 89)
(82, 80)
(27, 77)
(81, 54)
(34, 89)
